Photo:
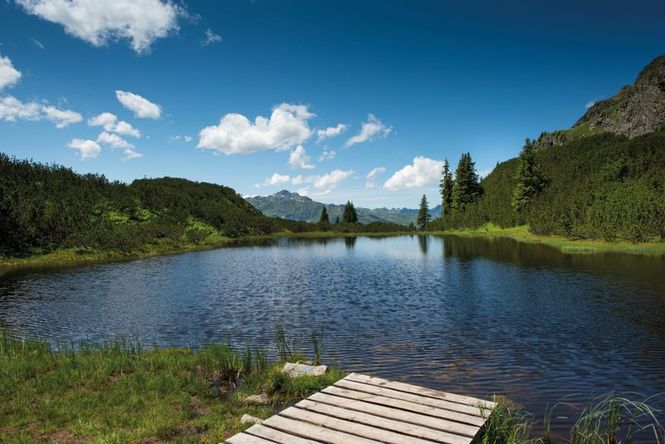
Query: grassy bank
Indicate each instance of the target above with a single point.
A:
(566, 245)
(64, 258)
(119, 392)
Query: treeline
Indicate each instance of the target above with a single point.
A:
(48, 207)
(599, 187)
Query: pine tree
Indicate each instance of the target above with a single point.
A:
(423, 214)
(466, 188)
(350, 215)
(446, 187)
(324, 219)
(336, 219)
(529, 180)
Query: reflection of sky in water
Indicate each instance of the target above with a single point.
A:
(467, 315)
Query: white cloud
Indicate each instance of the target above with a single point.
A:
(323, 183)
(9, 76)
(130, 153)
(117, 142)
(371, 129)
(327, 155)
(277, 179)
(423, 171)
(236, 134)
(589, 104)
(97, 22)
(12, 109)
(113, 140)
(126, 129)
(300, 159)
(210, 38)
(88, 149)
(107, 120)
(330, 132)
(37, 43)
(140, 106)
(61, 117)
(371, 177)
(331, 179)
(110, 123)
(179, 138)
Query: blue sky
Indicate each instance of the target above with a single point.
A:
(427, 79)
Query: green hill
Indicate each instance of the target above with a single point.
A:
(605, 177)
(49, 207)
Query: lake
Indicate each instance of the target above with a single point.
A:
(467, 315)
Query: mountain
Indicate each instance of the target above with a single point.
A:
(605, 176)
(287, 205)
(636, 110)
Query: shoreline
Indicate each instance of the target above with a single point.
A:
(72, 257)
(563, 244)
(76, 257)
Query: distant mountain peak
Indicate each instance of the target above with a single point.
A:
(286, 194)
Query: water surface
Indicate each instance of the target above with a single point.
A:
(467, 315)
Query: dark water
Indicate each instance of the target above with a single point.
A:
(472, 316)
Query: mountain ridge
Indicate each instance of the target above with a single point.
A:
(289, 205)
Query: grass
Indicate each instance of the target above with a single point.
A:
(608, 419)
(564, 244)
(122, 392)
(64, 258)
(119, 392)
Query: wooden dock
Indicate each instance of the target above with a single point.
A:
(364, 409)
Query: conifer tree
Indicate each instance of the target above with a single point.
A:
(529, 180)
(466, 188)
(324, 216)
(446, 187)
(350, 215)
(423, 214)
(337, 219)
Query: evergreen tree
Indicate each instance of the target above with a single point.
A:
(423, 214)
(466, 188)
(350, 215)
(324, 216)
(446, 187)
(337, 219)
(529, 180)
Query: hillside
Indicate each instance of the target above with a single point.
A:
(49, 207)
(287, 205)
(605, 177)
(45, 208)
(636, 110)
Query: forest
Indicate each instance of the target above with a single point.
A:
(603, 186)
(44, 208)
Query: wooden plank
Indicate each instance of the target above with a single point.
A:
(277, 436)
(243, 438)
(357, 429)
(390, 393)
(311, 431)
(405, 405)
(397, 414)
(417, 390)
(394, 425)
